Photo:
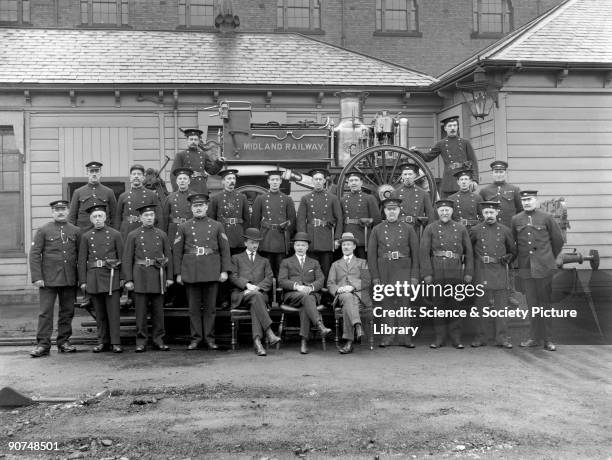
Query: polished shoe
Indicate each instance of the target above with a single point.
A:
(530, 343)
(346, 349)
(117, 349)
(66, 348)
(476, 344)
(505, 345)
(161, 347)
(459, 346)
(140, 349)
(212, 345)
(193, 346)
(384, 344)
(259, 349)
(358, 331)
(101, 347)
(325, 331)
(549, 346)
(273, 339)
(304, 347)
(408, 345)
(39, 351)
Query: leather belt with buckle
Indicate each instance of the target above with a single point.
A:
(146, 262)
(199, 174)
(319, 222)
(394, 255)
(447, 254)
(456, 165)
(272, 226)
(179, 220)
(231, 220)
(468, 222)
(489, 260)
(351, 221)
(408, 219)
(132, 219)
(99, 263)
(201, 251)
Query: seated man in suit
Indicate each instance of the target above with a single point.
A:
(301, 279)
(252, 279)
(349, 282)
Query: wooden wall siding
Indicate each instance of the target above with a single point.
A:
(561, 145)
(482, 137)
(14, 274)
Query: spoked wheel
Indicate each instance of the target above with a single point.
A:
(251, 192)
(380, 166)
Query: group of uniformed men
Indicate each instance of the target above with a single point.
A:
(145, 246)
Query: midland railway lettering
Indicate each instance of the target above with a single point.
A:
(286, 146)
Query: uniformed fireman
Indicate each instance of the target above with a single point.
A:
(147, 270)
(199, 159)
(231, 208)
(320, 216)
(360, 212)
(90, 193)
(494, 249)
(53, 260)
(446, 259)
(393, 255)
(99, 266)
(465, 209)
(539, 241)
(457, 153)
(274, 215)
(507, 194)
(416, 209)
(129, 201)
(201, 260)
(176, 208)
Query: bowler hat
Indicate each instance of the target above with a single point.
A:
(252, 234)
(301, 236)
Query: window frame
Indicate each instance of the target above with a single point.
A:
(19, 250)
(122, 11)
(20, 14)
(311, 18)
(186, 17)
(507, 10)
(412, 6)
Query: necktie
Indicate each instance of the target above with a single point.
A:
(301, 262)
(347, 259)
(252, 256)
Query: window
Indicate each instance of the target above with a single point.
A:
(196, 13)
(14, 11)
(11, 207)
(105, 12)
(492, 18)
(396, 16)
(302, 15)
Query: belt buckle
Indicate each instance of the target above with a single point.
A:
(231, 220)
(463, 222)
(448, 254)
(409, 219)
(486, 259)
(99, 263)
(317, 222)
(148, 262)
(394, 255)
(200, 251)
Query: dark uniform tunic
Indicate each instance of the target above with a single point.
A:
(357, 208)
(99, 250)
(415, 203)
(201, 252)
(53, 259)
(490, 242)
(147, 262)
(465, 210)
(444, 248)
(128, 218)
(455, 152)
(509, 199)
(274, 215)
(201, 164)
(539, 241)
(232, 210)
(84, 197)
(393, 255)
(175, 210)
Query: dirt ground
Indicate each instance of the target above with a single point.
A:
(391, 403)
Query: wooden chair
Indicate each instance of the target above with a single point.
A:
(366, 315)
(288, 310)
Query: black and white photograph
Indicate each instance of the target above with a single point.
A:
(305, 229)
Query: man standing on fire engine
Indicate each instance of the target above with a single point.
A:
(457, 153)
(90, 193)
(199, 160)
(360, 211)
(320, 215)
(416, 208)
(274, 215)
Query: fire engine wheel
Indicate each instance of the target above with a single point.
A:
(251, 192)
(380, 166)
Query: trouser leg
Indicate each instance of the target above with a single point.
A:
(67, 297)
(260, 319)
(113, 309)
(140, 307)
(308, 315)
(209, 297)
(194, 300)
(538, 293)
(157, 317)
(99, 304)
(45, 317)
(500, 300)
(275, 259)
(350, 315)
(454, 330)
(482, 325)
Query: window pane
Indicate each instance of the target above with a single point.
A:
(10, 192)
(84, 12)
(125, 11)
(298, 14)
(25, 10)
(8, 10)
(280, 16)
(398, 15)
(182, 13)
(10, 204)
(202, 13)
(104, 12)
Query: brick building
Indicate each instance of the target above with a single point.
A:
(427, 35)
